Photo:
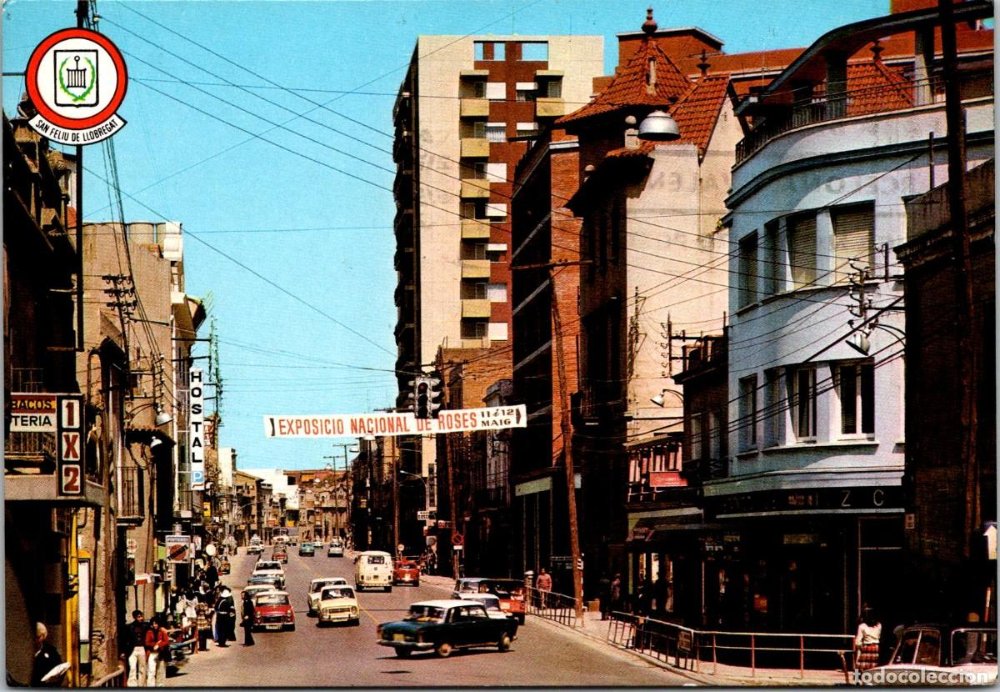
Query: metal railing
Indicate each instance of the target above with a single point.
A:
(689, 648)
(116, 678)
(551, 606)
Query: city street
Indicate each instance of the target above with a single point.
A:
(542, 654)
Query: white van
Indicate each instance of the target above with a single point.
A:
(373, 568)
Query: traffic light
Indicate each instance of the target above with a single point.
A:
(421, 398)
(435, 398)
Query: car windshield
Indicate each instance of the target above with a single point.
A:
(272, 599)
(375, 559)
(468, 587)
(320, 585)
(974, 646)
(337, 592)
(262, 579)
(422, 613)
(261, 566)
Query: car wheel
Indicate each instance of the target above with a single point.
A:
(520, 619)
(356, 622)
(388, 589)
(291, 628)
(403, 653)
(443, 650)
(416, 583)
(358, 587)
(504, 643)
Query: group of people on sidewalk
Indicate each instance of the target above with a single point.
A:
(207, 614)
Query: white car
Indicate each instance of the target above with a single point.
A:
(336, 549)
(271, 567)
(254, 589)
(316, 586)
(938, 655)
(338, 604)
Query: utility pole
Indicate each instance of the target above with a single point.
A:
(564, 428)
(965, 312)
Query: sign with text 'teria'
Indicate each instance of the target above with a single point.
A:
(389, 424)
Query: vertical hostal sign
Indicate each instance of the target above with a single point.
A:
(196, 434)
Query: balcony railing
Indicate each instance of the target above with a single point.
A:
(132, 508)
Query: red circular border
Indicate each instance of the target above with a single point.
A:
(31, 81)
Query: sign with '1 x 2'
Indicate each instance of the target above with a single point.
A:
(69, 432)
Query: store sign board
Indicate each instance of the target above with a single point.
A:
(395, 423)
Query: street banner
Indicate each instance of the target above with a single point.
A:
(392, 424)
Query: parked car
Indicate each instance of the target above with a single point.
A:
(279, 554)
(336, 548)
(254, 589)
(273, 611)
(939, 655)
(446, 625)
(338, 604)
(272, 581)
(255, 548)
(509, 591)
(404, 572)
(491, 603)
(316, 586)
(307, 550)
(373, 568)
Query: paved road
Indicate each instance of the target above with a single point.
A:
(542, 655)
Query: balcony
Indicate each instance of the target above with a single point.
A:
(549, 107)
(474, 108)
(475, 188)
(475, 269)
(474, 229)
(476, 308)
(131, 506)
(475, 148)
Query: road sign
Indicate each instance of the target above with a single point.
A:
(400, 423)
(423, 514)
(178, 548)
(457, 538)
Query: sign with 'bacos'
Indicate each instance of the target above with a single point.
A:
(76, 79)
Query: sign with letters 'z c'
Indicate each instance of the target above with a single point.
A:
(69, 427)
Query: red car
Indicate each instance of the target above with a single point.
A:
(273, 611)
(405, 572)
(279, 555)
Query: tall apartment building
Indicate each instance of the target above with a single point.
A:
(463, 114)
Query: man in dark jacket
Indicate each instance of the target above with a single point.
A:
(249, 613)
(46, 657)
(134, 647)
(225, 618)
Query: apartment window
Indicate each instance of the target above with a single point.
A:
(497, 293)
(496, 172)
(853, 238)
(472, 89)
(489, 50)
(479, 129)
(496, 91)
(748, 413)
(802, 250)
(855, 385)
(535, 50)
(470, 169)
(697, 447)
(748, 270)
(803, 403)
(496, 132)
(474, 210)
(773, 413)
(474, 329)
(526, 91)
(771, 267)
(474, 290)
(473, 251)
(527, 129)
(550, 87)
(497, 331)
(496, 210)
(431, 484)
(714, 436)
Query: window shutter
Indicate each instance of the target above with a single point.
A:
(802, 250)
(853, 238)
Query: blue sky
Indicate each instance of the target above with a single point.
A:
(304, 301)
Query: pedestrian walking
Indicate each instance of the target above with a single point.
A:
(249, 613)
(203, 621)
(134, 646)
(225, 618)
(543, 584)
(157, 652)
(46, 658)
(615, 591)
(866, 641)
